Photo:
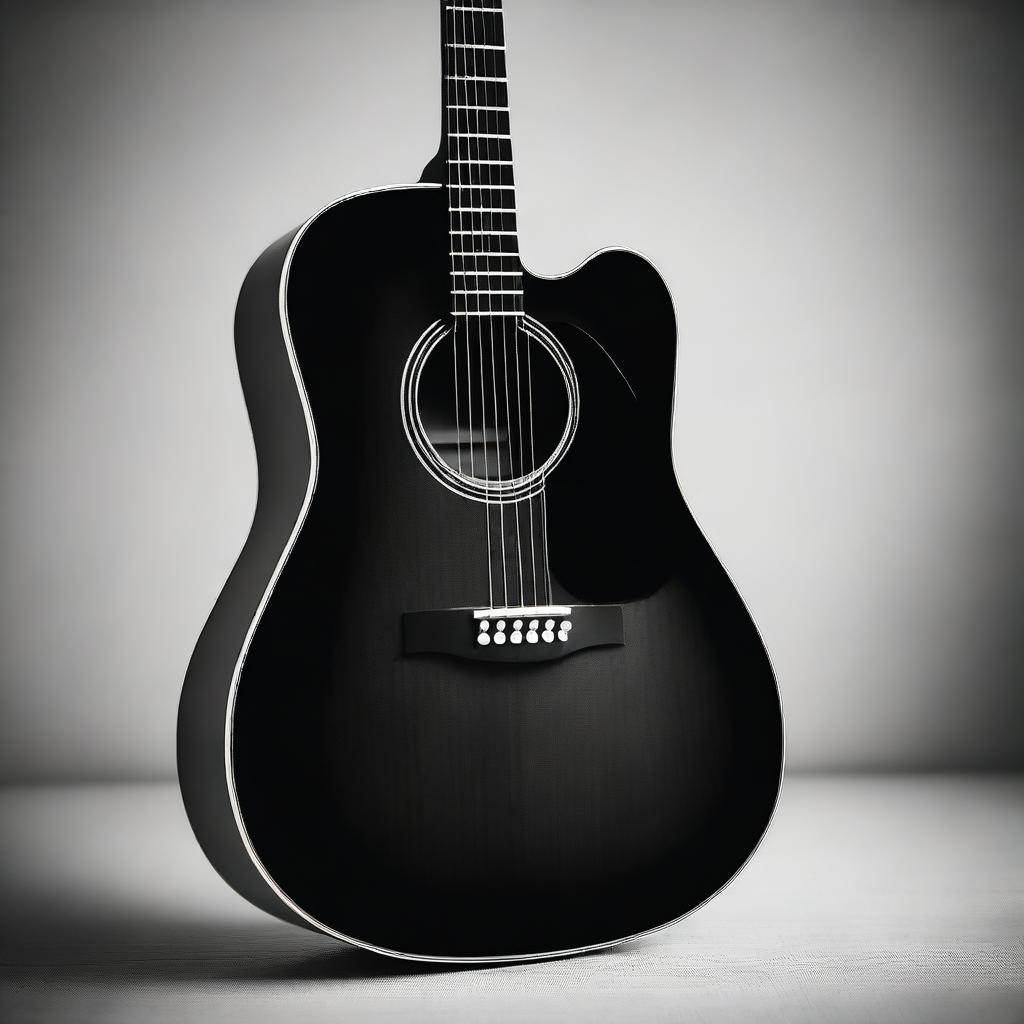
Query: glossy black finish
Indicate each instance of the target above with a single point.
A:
(444, 808)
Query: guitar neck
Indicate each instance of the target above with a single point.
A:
(477, 143)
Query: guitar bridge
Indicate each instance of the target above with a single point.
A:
(514, 634)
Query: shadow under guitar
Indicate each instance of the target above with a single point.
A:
(112, 951)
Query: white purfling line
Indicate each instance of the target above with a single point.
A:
(476, 78)
(473, 46)
(478, 135)
(481, 209)
(500, 291)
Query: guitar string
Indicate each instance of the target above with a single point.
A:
(465, 256)
(451, 237)
(543, 530)
(469, 253)
(544, 517)
(522, 465)
(481, 163)
(518, 304)
(528, 342)
(533, 456)
(495, 129)
(478, 323)
(454, 93)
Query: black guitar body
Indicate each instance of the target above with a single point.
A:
(431, 803)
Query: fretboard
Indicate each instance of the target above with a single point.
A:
(485, 268)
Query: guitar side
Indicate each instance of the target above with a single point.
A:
(284, 459)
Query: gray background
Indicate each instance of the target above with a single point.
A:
(832, 190)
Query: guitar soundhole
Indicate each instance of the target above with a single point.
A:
(490, 411)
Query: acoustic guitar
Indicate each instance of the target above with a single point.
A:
(477, 688)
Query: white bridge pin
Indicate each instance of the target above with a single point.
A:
(500, 631)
